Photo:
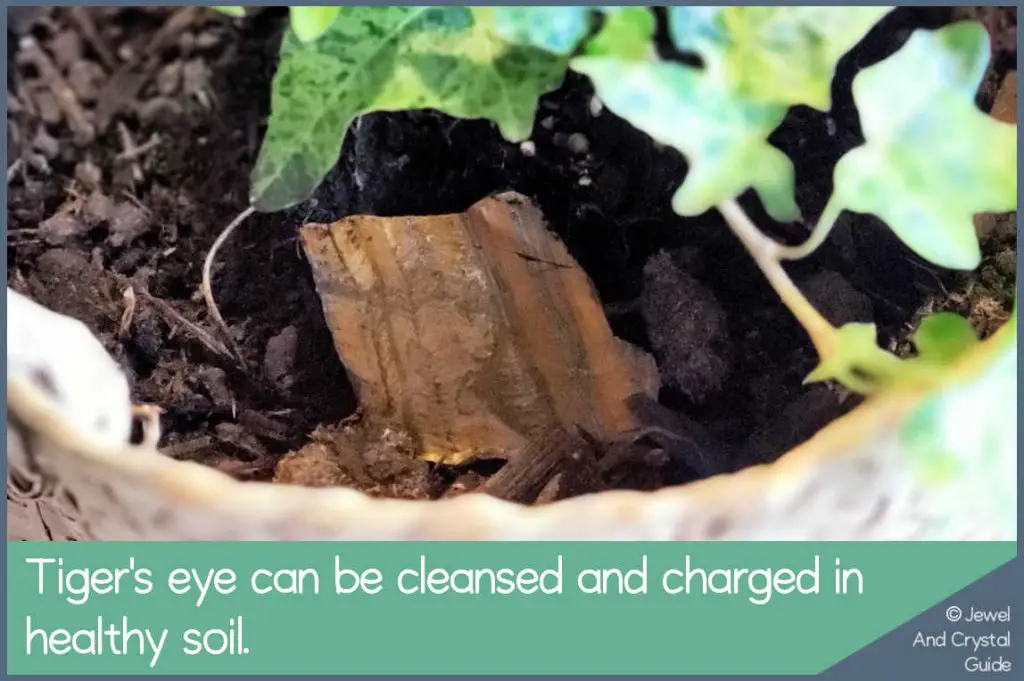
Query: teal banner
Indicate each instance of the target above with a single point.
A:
(468, 608)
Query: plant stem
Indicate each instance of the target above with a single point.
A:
(207, 285)
(768, 256)
(821, 230)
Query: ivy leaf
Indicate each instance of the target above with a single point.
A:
(722, 135)
(554, 29)
(626, 31)
(857, 362)
(627, 34)
(309, 23)
(384, 59)
(944, 337)
(932, 159)
(230, 10)
(774, 54)
(964, 433)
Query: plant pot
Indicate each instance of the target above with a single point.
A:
(905, 465)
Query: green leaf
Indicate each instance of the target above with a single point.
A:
(230, 10)
(554, 29)
(932, 159)
(309, 23)
(722, 135)
(627, 33)
(964, 435)
(857, 362)
(774, 54)
(384, 59)
(944, 337)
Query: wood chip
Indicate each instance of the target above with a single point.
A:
(526, 474)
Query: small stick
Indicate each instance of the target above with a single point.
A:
(525, 475)
(129, 149)
(176, 317)
(207, 288)
(128, 315)
(80, 15)
(149, 145)
(13, 169)
(82, 129)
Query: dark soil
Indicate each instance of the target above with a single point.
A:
(119, 242)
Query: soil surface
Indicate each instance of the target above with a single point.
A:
(131, 133)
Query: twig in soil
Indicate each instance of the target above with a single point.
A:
(128, 315)
(80, 16)
(12, 170)
(149, 145)
(81, 128)
(207, 288)
(129, 150)
(175, 317)
(21, 241)
(525, 475)
(141, 206)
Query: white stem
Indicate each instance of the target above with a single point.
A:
(768, 255)
(821, 231)
(207, 287)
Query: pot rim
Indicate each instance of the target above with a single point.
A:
(471, 516)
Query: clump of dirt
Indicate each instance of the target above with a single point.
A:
(116, 194)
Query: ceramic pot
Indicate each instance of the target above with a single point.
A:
(905, 465)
